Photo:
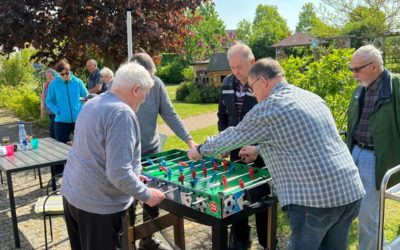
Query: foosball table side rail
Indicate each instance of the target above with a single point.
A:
(220, 205)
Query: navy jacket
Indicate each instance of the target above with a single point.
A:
(227, 114)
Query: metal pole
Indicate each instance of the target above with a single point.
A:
(129, 33)
(383, 193)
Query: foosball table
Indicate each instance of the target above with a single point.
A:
(212, 191)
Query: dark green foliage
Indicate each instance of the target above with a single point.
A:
(182, 91)
(194, 94)
(171, 73)
(210, 94)
(191, 93)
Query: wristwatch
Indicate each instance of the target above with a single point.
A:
(198, 147)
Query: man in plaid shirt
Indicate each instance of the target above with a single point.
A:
(315, 177)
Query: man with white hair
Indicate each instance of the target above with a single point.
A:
(373, 133)
(102, 174)
(94, 84)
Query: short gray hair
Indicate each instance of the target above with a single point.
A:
(243, 49)
(369, 53)
(106, 72)
(93, 61)
(146, 61)
(132, 74)
(266, 67)
(50, 71)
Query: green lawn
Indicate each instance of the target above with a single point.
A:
(185, 110)
(200, 135)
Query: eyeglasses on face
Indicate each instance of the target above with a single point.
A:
(251, 85)
(64, 73)
(358, 69)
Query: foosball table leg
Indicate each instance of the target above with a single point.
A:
(219, 236)
(272, 224)
(129, 242)
(179, 233)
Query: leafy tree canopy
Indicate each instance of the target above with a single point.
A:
(307, 17)
(69, 29)
(310, 23)
(268, 28)
(243, 31)
(356, 15)
(365, 21)
(208, 35)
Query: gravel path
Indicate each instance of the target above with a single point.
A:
(192, 123)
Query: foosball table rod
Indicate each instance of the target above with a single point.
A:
(153, 159)
(247, 187)
(177, 164)
(170, 190)
(159, 163)
(200, 172)
(199, 201)
(231, 179)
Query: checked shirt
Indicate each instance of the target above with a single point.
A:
(299, 142)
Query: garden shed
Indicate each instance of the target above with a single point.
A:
(200, 72)
(218, 68)
(212, 71)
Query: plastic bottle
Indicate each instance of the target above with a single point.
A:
(23, 140)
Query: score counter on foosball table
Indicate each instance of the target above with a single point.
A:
(216, 187)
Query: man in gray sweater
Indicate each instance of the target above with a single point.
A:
(157, 102)
(102, 175)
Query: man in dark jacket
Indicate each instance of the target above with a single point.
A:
(373, 133)
(236, 99)
(94, 84)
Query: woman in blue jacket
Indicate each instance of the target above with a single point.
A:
(63, 99)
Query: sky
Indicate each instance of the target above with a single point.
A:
(232, 11)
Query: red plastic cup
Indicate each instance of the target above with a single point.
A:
(10, 150)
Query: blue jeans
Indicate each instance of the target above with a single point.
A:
(320, 228)
(369, 210)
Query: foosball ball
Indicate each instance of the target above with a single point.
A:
(212, 186)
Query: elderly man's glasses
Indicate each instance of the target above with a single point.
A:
(64, 73)
(251, 85)
(357, 69)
